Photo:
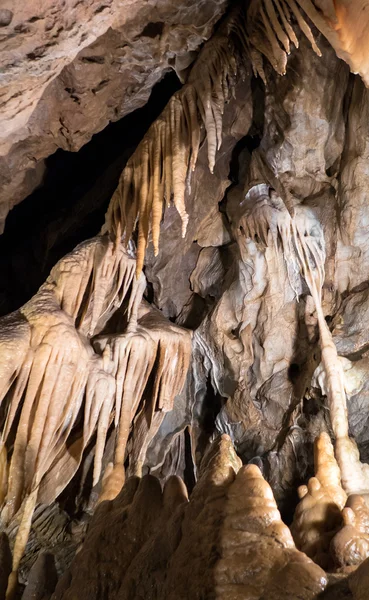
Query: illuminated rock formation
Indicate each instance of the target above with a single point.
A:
(169, 386)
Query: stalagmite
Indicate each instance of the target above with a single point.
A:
(112, 482)
(318, 514)
(227, 540)
(120, 374)
(350, 546)
(259, 558)
(199, 544)
(327, 470)
(354, 474)
(329, 527)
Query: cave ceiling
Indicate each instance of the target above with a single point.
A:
(184, 291)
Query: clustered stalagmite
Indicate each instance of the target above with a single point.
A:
(88, 354)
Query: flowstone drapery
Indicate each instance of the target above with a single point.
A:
(63, 383)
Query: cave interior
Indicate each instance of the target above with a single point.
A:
(184, 300)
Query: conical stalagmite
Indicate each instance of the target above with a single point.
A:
(258, 555)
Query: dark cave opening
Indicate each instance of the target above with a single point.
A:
(70, 204)
(242, 152)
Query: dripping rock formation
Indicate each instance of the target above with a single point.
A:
(184, 300)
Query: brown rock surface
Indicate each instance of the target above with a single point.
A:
(359, 581)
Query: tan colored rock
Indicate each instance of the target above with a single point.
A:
(227, 542)
(156, 543)
(318, 515)
(118, 530)
(148, 571)
(350, 546)
(250, 374)
(258, 555)
(201, 534)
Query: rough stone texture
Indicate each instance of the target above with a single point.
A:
(349, 326)
(353, 253)
(304, 131)
(255, 330)
(68, 68)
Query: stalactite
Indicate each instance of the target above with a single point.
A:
(354, 474)
(60, 366)
(162, 164)
(65, 378)
(270, 31)
(152, 347)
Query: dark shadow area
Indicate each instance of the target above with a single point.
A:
(70, 204)
(207, 412)
(239, 166)
(241, 155)
(189, 474)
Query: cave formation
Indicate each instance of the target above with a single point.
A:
(184, 341)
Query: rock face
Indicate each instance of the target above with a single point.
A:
(69, 68)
